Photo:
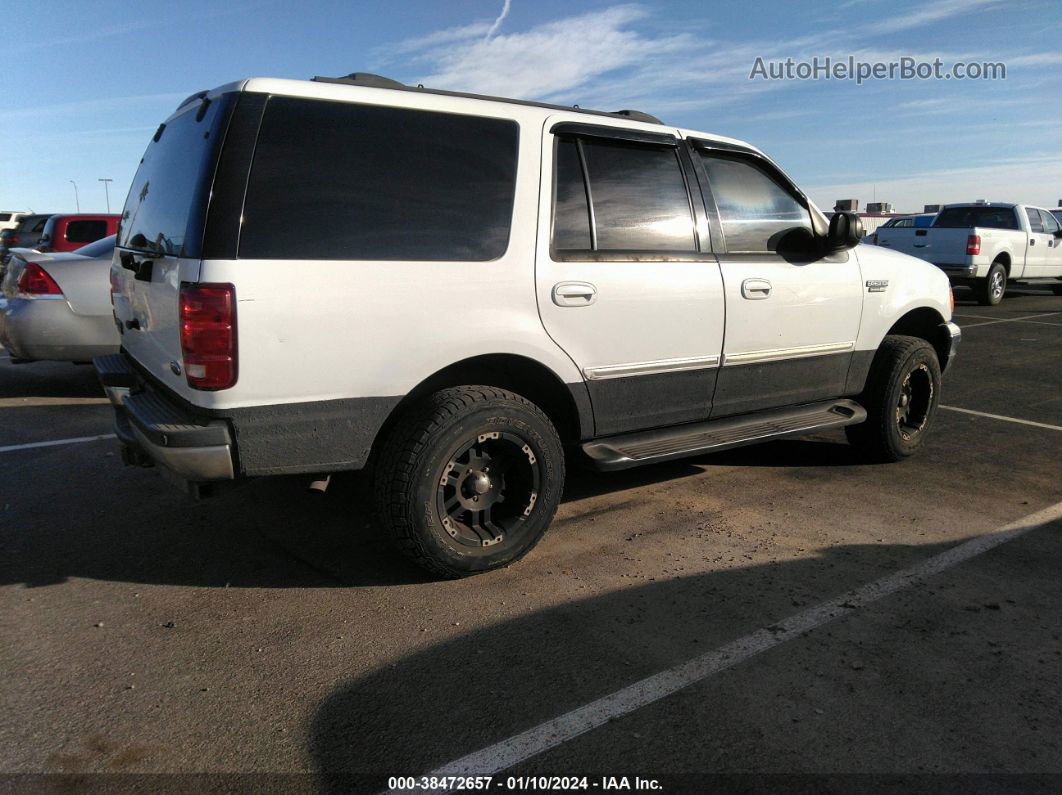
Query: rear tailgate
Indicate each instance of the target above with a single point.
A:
(161, 234)
(899, 238)
(939, 246)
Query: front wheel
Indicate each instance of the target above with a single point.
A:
(469, 480)
(901, 398)
(991, 289)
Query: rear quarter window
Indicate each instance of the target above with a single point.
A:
(334, 180)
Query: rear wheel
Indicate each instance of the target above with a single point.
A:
(469, 480)
(991, 289)
(901, 398)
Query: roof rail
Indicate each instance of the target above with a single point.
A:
(637, 115)
(368, 80)
(363, 79)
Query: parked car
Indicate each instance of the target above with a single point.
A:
(58, 306)
(25, 235)
(919, 221)
(1057, 213)
(71, 232)
(9, 218)
(987, 245)
(485, 283)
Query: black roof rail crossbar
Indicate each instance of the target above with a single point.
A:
(637, 115)
(193, 98)
(363, 79)
(368, 80)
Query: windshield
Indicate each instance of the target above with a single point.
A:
(103, 246)
(968, 217)
(167, 200)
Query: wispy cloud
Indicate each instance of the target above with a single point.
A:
(501, 18)
(90, 105)
(903, 19)
(549, 58)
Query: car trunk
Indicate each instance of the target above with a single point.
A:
(160, 238)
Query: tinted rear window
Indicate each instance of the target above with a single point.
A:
(334, 180)
(5, 216)
(85, 231)
(167, 201)
(967, 217)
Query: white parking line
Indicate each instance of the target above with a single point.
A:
(12, 447)
(1005, 419)
(500, 756)
(991, 321)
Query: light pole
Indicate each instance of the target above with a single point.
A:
(77, 201)
(107, 191)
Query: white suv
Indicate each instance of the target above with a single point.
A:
(457, 291)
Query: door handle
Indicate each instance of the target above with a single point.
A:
(755, 289)
(574, 294)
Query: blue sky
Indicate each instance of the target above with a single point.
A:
(86, 84)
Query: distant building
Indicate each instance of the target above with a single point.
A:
(846, 206)
(931, 208)
(877, 208)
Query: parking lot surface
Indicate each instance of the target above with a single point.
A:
(269, 630)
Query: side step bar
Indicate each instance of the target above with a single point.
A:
(648, 447)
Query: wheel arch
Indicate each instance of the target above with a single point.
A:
(567, 405)
(926, 323)
(1005, 258)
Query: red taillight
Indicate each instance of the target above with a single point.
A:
(208, 335)
(34, 280)
(973, 244)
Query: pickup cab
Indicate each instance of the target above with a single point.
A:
(986, 246)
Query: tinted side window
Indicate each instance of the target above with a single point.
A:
(5, 216)
(571, 213)
(639, 197)
(756, 212)
(1050, 223)
(333, 180)
(1035, 224)
(85, 231)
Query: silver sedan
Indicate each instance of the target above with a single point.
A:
(58, 306)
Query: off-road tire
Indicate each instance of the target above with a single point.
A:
(413, 461)
(991, 289)
(900, 365)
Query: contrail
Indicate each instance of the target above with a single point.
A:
(501, 18)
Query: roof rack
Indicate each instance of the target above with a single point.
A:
(368, 80)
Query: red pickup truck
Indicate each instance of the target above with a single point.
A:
(70, 232)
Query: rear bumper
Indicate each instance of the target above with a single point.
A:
(959, 272)
(46, 328)
(154, 430)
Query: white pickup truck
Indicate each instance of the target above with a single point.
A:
(986, 245)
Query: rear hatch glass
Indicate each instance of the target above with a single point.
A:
(163, 221)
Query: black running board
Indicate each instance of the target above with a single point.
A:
(648, 447)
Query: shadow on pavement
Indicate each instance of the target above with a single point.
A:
(267, 533)
(468, 693)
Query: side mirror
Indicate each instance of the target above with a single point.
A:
(846, 231)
